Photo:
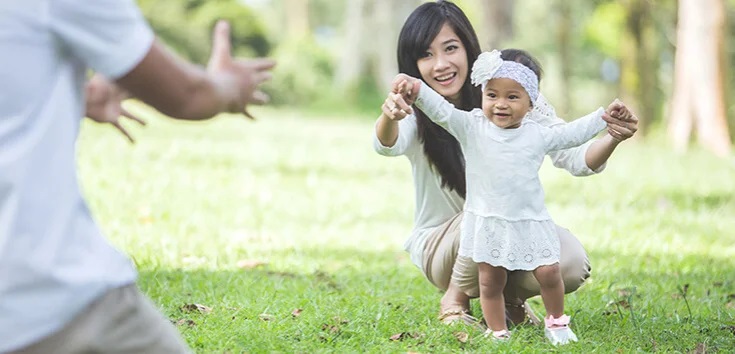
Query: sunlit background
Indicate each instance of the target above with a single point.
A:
(339, 55)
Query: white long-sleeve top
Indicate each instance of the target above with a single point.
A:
(435, 205)
(506, 222)
(502, 164)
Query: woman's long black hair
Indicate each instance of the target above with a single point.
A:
(422, 26)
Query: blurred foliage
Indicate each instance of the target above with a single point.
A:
(304, 76)
(186, 26)
(604, 28)
(729, 72)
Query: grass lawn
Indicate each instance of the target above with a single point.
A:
(290, 231)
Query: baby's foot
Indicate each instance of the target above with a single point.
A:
(502, 335)
(557, 330)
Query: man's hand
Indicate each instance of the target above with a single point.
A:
(249, 73)
(104, 104)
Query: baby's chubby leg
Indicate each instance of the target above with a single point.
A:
(552, 289)
(552, 292)
(492, 282)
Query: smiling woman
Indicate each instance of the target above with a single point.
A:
(438, 44)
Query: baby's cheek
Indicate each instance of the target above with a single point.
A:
(487, 109)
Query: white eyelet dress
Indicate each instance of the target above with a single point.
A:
(506, 223)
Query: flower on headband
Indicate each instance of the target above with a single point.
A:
(485, 67)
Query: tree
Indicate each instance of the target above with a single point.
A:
(350, 63)
(297, 18)
(498, 22)
(564, 40)
(371, 30)
(698, 97)
(639, 62)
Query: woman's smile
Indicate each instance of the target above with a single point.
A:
(446, 79)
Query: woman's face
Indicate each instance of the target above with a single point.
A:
(444, 66)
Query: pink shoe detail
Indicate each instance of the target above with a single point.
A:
(557, 330)
(561, 321)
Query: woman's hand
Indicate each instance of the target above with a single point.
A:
(621, 122)
(403, 93)
(104, 104)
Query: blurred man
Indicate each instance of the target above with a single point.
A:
(63, 288)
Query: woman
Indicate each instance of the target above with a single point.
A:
(438, 44)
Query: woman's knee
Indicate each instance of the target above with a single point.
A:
(574, 265)
(464, 275)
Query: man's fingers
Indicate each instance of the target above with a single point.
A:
(247, 114)
(259, 69)
(259, 64)
(122, 130)
(259, 97)
(129, 115)
(262, 77)
(221, 47)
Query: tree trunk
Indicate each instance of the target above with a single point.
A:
(498, 22)
(297, 18)
(564, 42)
(639, 64)
(698, 98)
(385, 48)
(351, 61)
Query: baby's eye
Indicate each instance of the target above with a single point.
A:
(513, 97)
(492, 95)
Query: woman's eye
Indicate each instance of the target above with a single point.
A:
(425, 55)
(452, 48)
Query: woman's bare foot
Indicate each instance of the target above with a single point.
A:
(455, 308)
(454, 299)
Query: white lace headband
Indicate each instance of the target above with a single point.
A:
(489, 65)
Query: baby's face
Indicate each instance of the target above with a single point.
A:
(505, 102)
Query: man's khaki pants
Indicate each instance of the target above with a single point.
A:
(121, 321)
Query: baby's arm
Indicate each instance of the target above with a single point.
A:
(573, 133)
(441, 112)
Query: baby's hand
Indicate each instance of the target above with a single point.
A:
(404, 91)
(406, 86)
(617, 109)
(621, 122)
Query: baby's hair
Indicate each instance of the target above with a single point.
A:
(523, 57)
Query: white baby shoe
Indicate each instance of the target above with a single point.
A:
(557, 330)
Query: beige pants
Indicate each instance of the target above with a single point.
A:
(122, 321)
(442, 264)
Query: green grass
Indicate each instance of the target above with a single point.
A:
(328, 216)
